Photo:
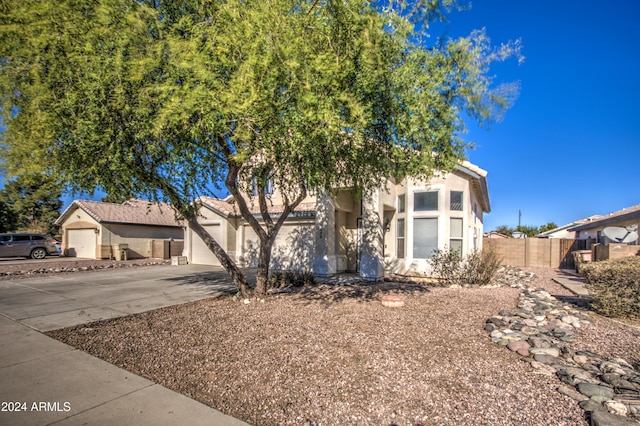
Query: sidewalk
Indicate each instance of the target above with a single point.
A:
(573, 283)
(46, 382)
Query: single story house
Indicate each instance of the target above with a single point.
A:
(394, 230)
(496, 235)
(626, 218)
(92, 229)
(566, 231)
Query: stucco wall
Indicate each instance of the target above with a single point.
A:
(136, 236)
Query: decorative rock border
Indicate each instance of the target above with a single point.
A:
(538, 330)
(58, 269)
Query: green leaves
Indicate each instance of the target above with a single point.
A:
(118, 94)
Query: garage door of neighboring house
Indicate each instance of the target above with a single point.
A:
(82, 243)
(200, 253)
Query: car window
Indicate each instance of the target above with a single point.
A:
(21, 237)
(37, 237)
(5, 238)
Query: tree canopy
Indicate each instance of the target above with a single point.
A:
(167, 99)
(30, 203)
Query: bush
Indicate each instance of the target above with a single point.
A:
(285, 279)
(478, 268)
(615, 286)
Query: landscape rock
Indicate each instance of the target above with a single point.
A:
(592, 390)
(555, 352)
(540, 328)
(615, 407)
(604, 418)
(572, 393)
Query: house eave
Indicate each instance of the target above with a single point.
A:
(607, 221)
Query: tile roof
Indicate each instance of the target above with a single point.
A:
(227, 207)
(632, 212)
(133, 212)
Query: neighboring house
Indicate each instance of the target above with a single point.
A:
(495, 235)
(627, 218)
(396, 229)
(90, 229)
(566, 231)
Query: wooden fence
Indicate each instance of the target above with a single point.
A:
(543, 252)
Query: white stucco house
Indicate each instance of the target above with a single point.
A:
(394, 230)
(91, 229)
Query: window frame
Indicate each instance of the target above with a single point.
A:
(401, 238)
(416, 220)
(435, 193)
(451, 204)
(459, 238)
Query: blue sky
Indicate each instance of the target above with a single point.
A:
(570, 146)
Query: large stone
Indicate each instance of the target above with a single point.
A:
(539, 342)
(591, 406)
(555, 352)
(580, 359)
(604, 418)
(612, 367)
(570, 319)
(548, 359)
(529, 331)
(619, 383)
(497, 334)
(572, 393)
(543, 368)
(615, 407)
(590, 389)
(497, 321)
(521, 347)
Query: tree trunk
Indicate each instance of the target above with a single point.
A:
(262, 274)
(227, 263)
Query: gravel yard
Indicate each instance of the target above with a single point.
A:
(334, 355)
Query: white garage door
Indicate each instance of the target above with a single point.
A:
(200, 253)
(82, 243)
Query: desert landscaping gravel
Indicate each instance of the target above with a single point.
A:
(334, 355)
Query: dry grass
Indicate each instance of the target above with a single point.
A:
(335, 355)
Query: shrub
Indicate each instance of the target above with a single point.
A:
(615, 286)
(285, 279)
(478, 268)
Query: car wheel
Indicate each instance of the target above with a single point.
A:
(38, 253)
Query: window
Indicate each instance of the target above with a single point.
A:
(425, 237)
(456, 201)
(268, 188)
(401, 200)
(400, 239)
(455, 238)
(425, 201)
(21, 238)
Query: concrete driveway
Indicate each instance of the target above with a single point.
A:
(46, 382)
(56, 301)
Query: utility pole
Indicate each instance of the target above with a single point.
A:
(519, 217)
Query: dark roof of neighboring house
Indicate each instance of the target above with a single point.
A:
(628, 213)
(227, 207)
(132, 212)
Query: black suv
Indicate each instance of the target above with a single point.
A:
(35, 246)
